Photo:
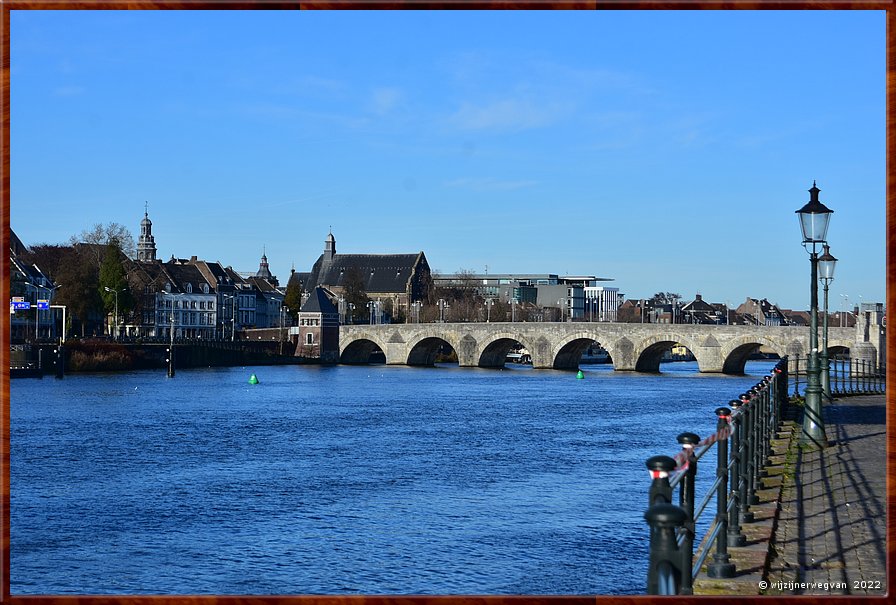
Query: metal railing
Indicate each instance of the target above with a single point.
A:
(743, 446)
(847, 376)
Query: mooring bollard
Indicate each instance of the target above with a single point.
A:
(664, 573)
(721, 566)
(686, 498)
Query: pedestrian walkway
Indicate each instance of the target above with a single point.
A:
(831, 533)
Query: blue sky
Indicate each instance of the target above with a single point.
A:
(665, 149)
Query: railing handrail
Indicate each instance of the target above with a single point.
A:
(743, 443)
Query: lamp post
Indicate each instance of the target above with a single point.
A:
(442, 306)
(372, 306)
(37, 301)
(170, 360)
(283, 310)
(351, 312)
(417, 304)
(844, 304)
(814, 219)
(488, 309)
(114, 291)
(826, 265)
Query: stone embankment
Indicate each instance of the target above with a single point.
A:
(106, 356)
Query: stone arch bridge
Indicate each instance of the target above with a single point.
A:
(636, 347)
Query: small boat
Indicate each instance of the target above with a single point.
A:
(595, 355)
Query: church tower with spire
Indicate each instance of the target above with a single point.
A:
(329, 247)
(264, 271)
(146, 246)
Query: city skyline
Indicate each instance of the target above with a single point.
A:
(667, 150)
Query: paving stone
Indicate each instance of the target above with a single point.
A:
(821, 526)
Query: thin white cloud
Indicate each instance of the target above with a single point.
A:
(506, 115)
(383, 100)
(69, 91)
(489, 184)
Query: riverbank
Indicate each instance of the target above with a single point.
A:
(106, 356)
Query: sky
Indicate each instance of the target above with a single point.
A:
(667, 150)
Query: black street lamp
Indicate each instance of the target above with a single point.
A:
(814, 219)
(114, 291)
(826, 265)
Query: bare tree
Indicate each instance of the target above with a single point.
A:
(100, 236)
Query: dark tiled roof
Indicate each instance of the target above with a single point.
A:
(380, 272)
(182, 275)
(300, 278)
(15, 244)
(319, 302)
(262, 285)
(700, 306)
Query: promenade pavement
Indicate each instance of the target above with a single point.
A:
(831, 532)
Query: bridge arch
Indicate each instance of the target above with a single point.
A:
(650, 350)
(567, 352)
(358, 351)
(493, 352)
(839, 347)
(423, 350)
(736, 352)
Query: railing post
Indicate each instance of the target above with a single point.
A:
(864, 377)
(796, 377)
(686, 499)
(735, 536)
(759, 399)
(721, 566)
(769, 422)
(750, 478)
(659, 468)
(664, 572)
(746, 462)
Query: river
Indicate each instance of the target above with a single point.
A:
(346, 479)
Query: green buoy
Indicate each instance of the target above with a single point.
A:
(580, 374)
(253, 379)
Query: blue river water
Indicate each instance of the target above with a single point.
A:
(345, 480)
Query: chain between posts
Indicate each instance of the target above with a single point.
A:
(743, 439)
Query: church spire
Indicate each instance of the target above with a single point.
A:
(146, 245)
(264, 270)
(329, 246)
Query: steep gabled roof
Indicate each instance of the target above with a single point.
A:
(319, 302)
(15, 244)
(379, 272)
(300, 279)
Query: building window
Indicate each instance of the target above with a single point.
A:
(309, 339)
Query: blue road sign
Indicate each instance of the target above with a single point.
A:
(43, 304)
(20, 306)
